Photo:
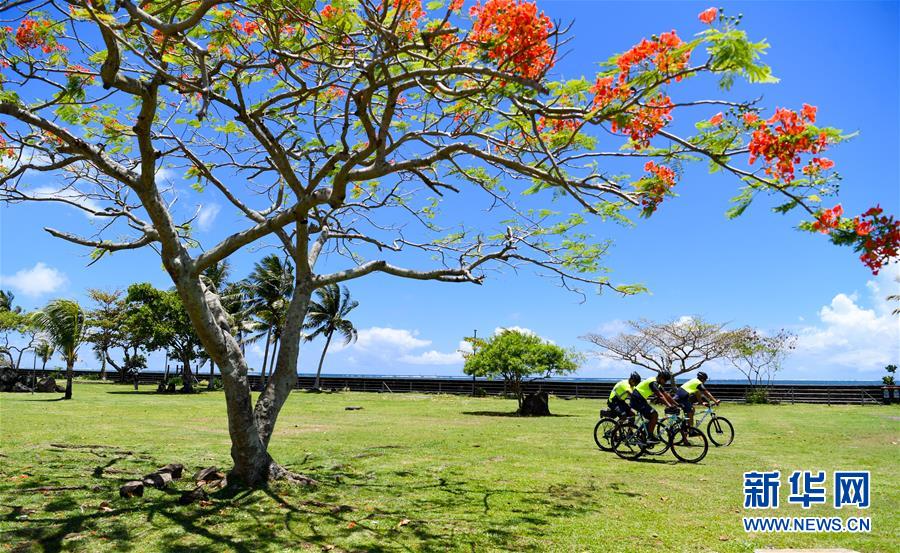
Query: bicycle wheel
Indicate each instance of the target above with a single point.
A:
(662, 434)
(691, 448)
(720, 431)
(627, 441)
(603, 433)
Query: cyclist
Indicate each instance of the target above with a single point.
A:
(693, 390)
(643, 391)
(621, 392)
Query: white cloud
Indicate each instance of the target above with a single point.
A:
(36, 281)
(851, 338)
(207, 215)
(68, 194)
(433, 357)
(519, 329)
(384, 345)
(164, 173)
(379, 338)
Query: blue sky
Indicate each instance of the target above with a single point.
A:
(756, 270)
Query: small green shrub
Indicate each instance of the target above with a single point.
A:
(758, 396)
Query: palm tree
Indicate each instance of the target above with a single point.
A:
(327, 314)
(44, 350)
(6, 302)
(271, 286)
(63, 322)
(236, 302)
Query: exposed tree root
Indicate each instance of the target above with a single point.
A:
(278, 472)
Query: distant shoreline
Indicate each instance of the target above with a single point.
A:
(732, 381)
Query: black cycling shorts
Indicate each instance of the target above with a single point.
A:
(684, 400)
(618, 406)
(639, 404)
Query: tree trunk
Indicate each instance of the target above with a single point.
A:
(212, 370)
(321, 359)
(283, 377)
(249, 427)
(103, 365)
(70, 363)
(186, 376)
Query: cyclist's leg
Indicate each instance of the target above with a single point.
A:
(639, 404)
(684, 401)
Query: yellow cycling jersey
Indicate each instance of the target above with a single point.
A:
(692, 385)
(622, 390)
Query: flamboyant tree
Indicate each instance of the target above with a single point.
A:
(337, 131)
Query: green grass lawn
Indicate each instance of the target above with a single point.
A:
(419, 473)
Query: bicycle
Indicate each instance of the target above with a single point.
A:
(719, 429)
(687, 443)
(630, 438)
(604, 429)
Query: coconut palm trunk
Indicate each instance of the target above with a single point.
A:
(70, 366)
(316, 384)
(262, 373)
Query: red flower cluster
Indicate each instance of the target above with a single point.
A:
(33, 34)
(828, 219)
(330, 11)
(659, 52)
(456, 5)
(661, 179)
(880, 239)
(248, 27)
(645, 121)
(717, 119)
(410, 12)
(781, 139)
(6, 150)
(515, 35)
(708, 16)
(876, 235)
(817, 165)
(557, 125)
(604, 92)
(411, 7)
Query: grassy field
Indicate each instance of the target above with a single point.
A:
(417, 473)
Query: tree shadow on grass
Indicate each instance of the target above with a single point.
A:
(46, 399)
(510, 414)
(388, 511)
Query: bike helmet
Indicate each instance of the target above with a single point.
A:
(635, 377)
(666, 375)
(702, 376)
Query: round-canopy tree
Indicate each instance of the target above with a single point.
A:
(518, 357)
(335, 128)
